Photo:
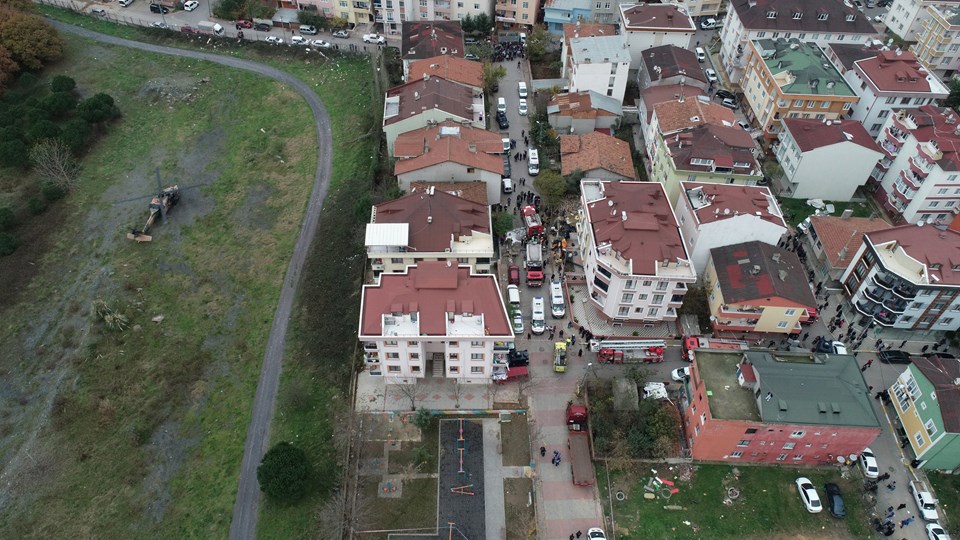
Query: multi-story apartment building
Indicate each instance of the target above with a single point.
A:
(890, 80)
(669, 65)
(652, 25)
(451, 68)
(938, 42)
(352, 11)
(429, 225)
(520, 12)
(597, 155)
(757, 287)
(428, 102)
(717, 215)
(635, 262)
(926, 398)
(777, 408)
(809, 21)
(434, 313)
(600, 64)
(695, 140)
(906, 17)
(393, 13)
(605, 11)
(831, 242)
(825, 159)
(919, 173)
(557, 13)
(579, 113)
(908, 278)
(429, 39)
(787, 78)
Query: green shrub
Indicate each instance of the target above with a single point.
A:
(37, 206)
(7, 218)
(62, 83)
(8, 243)
(53, 192)
(284, 473)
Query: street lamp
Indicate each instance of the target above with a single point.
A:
(583, 378)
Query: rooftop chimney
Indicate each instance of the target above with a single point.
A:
(847, 213)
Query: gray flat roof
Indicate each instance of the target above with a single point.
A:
(600, 50)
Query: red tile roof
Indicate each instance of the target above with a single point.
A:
(452, 68)
(940, 125)
(437, 93)
(475, 191)
(426, 39)
(730, 147)
(928, 245)
(675, 115)
(895, 71)
(576, 105)
(596, 150)
(648, 235)
(448, 141)
(672, 61)
(943, 374)
(724, 201)
(435, 220)
(659, 94)
(661, 16)
(813, 134)
(841, 237)
(428, 289)
(780, 275)
(753, 15)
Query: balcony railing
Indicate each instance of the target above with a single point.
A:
(896, 136)
(874, 294)
(883, 280)
(895, 305)
(740, 311)
(912, 179)
(905, 291)
(889, 148)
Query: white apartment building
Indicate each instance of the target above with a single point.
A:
(634, 258)
(888, 81)
(907, 278)
(918, 173)
(905, 17)
(393, 13)
(652, 25)
(720, 215)
(600, 64)
(429, 225)
(816, 21)
(436, 317)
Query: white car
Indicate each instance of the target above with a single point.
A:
(936, 532)
(711, 75)
(299, 40)
(158, 24)
(274, 39)
(596, 533)
(808, 494)
(743, 125)
(680, 374)
(320, 44)
(341, 34)
(374, 38)
(868, 464)
(518, 323)
(522, 108)
(880, 18)
(191, 5)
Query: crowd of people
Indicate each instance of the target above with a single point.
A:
(505, 52)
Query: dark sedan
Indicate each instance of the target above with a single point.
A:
(835, 500)
(502, 120)
(893, 357)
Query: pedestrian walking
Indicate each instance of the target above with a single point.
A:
(870, 362)
(903, 344)
(864, 368)
(580, 352)
(892, 486)
(523, 133)
(572, 536)
(543, 451)
(579, 534)
(902, 506)
(924, 349)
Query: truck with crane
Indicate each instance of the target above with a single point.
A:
(692, 343)
(578, 444)
(621, 351)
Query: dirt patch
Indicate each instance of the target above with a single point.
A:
(521, 519)
(171, 90)
(254, 212)
(167, 448)
(515, 438)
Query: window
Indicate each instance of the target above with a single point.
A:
(781, 457)
(736, 454)
(393, 369)
(415, 356)
(750, 431)
(624, 311)
(658, 299)
(884, 113)
(476, 344)
(627, 298)
(798, 457)
(453, 356)
(797, 16)
(652, 312)
(821, 16)
(393, 356)
(782, 324)
(453, 344)
(414, 369)
(662, 286)
(454, 369)
(761, 35)
(790, 312)
(934, 204)
(798, 103)
(476, 356)
(390, 343)
(647, 283)
(703, 418)
(396, 260)
(919, 438)
(797, 434)
(476, 370)
(942, 191)
(875, 127)
(930, 427)
(789, 446)
(743, 443)
(630, 285)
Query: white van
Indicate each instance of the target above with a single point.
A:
(557, 307)
(522, 87)
(501, 105)
(533, 162)
(537, 321)
(507, 185)
(701, 54)
(711, 24)
(513, 296)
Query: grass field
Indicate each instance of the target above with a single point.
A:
(768, 506)
(797, 210)
(947, 489)
(146, 431)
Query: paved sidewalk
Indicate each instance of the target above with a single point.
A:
(493, 474)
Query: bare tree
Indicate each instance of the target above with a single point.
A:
(334, 519)
(523, 386)
(54, 162)
(409, 391)
(458, 391)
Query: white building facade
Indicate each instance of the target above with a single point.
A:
(600, 64)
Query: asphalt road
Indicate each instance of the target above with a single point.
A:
(246, 508)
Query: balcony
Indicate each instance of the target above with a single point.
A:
(883, 280)
(370, 346)
(900, 195)
(739, 311)
(884, 164)
(895, 305)
(735, 326)
(905, 291)
(889, 148)
(921, 166)
(883, 316)
(874, 294)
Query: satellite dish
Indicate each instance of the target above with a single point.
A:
(839, 459)
(853, 457)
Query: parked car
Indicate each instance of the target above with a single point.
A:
(158, 24)
(596, 533)
(893, 357)
(808, 494)
(191, 5)
(936, 532)
(517, 323)
(835, 500)
(376, 39)
(725, 94)
(513, 275)
(274, 39)
(859, 5)
(341, 34)
(680, 374)
(321, 44)
(125, 3)
(298, 40)
(522, 107)
(743, 124)
(730, 103)
(244, 24)
(262, 27)
(502, 120)
(157, 8)
(831, 347)
(868, 464)
(99, 12)
(880, 18)
(711, 75)
(472, 57)
(307, 30)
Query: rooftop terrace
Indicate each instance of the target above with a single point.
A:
(727, 400)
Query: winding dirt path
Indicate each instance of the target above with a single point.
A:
(246, 509)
